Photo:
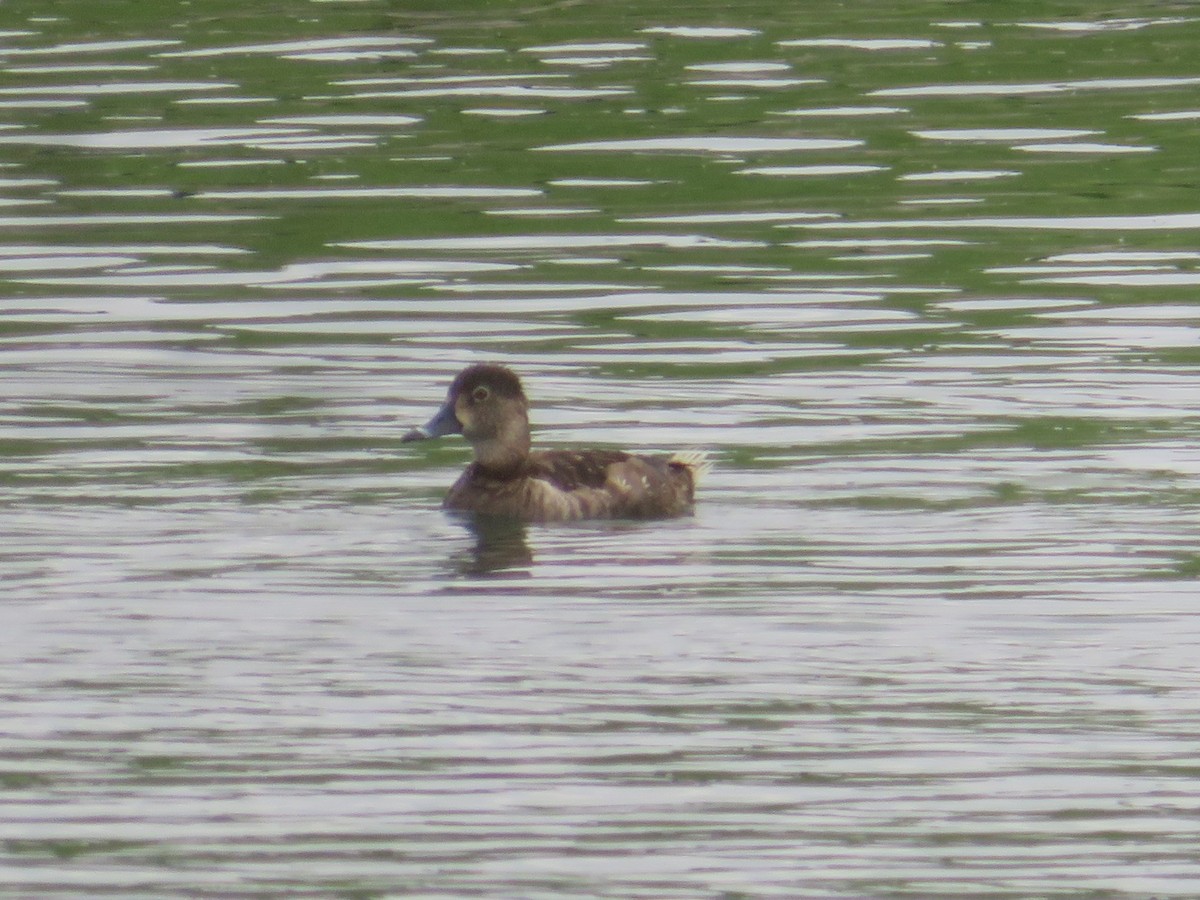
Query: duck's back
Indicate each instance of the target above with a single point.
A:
(564, 485)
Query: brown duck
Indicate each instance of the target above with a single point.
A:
(487, 406)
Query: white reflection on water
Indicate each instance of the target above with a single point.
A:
(959, 175)
(1150, 313)
(701, 31)
(746, 67)
(1162, 279)
(325, 193)
(71, 69)
(222, 101)
(940, 201)
(140, 249)
(1123, 336)
(731, 217)
(1182, 115)
(1001, 134)
(551, 241)
(950, 90)
(229, 163)
(544, 212)
(814, 170)
(124, 193)
(336, 56)
(586, 47)
(710, 144)
(290, 274)
(504, 112)
(54, 263)
(1122, 257)
(42, 104)
(358, 42)
(1146, 222)
(786, 318)
(449, 80)
(516, 91)
(844, 111)
(116, 87)
(1083, 147)
(599, 182)
(864, 43)
(95, 219)
(751, 82)
(374, 119)
(1010, 303)
(157, 138)
(1045, 269)
(1116, 24)
(74, 48)
(880, 242)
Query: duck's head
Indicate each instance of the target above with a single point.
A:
(487, 406)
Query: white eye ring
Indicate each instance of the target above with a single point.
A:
(480, 394)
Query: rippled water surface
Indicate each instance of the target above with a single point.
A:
(924, 285)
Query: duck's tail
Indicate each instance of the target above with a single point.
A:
(696, 461)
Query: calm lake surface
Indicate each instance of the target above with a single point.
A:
(924, 285)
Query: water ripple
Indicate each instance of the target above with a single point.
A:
(930, 631)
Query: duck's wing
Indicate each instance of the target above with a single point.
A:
(609, 483)
(570, 470)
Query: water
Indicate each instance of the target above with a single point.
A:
(921, 283)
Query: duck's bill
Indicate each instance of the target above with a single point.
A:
(444, 422)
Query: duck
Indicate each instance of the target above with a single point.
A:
(486, 404)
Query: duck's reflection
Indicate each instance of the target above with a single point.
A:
(500, 549)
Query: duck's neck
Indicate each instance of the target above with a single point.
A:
(505, 451)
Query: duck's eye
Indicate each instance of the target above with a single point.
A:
(480, 394)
